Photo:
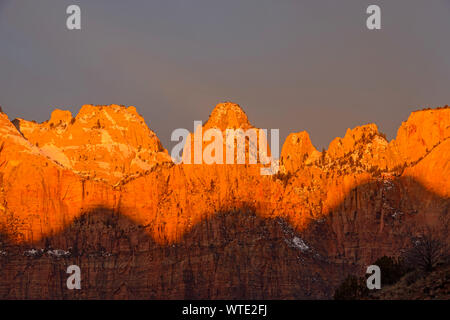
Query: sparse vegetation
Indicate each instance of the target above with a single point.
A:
(352, 288)
(429, 249)
(392, 269)
(283, 177)
(428, 252)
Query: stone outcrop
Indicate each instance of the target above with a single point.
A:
(227, 138)
(298, 150)
(109, 143)
(423, 131)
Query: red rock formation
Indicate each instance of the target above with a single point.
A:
(229, 125)
(298, 150)
(110, 143)
(422, 132)
(351, 203)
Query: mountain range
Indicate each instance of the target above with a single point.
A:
(99, 190)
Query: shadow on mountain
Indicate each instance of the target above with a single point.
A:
(230, 255)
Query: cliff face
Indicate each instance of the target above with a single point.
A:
(297, 150)
(423, 131)
(161, 230)
(109, 143)
(233, 255)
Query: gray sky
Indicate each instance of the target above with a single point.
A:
(291, 64)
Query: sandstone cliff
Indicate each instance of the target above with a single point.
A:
(161, 230)
(103, 142)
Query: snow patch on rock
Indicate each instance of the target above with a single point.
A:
(300, 244)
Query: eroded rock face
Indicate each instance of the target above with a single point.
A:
(365, 147)
(228, 115)
(227, 138)
(110, 143)
(209, 231)
(233, 255)
(297, 150)
(423, 131)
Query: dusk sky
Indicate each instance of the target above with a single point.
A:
(291, 64)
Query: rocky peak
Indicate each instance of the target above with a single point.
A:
(423, 131)
(339, 147)
(89, 114)
(228, 115)
(362, 149)
(106, 142)
(6, 127)
(296, 150)
(60, 117)
(225, 116)
(16, 151)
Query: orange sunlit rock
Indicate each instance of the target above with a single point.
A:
(106, 156)
(109, 143)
